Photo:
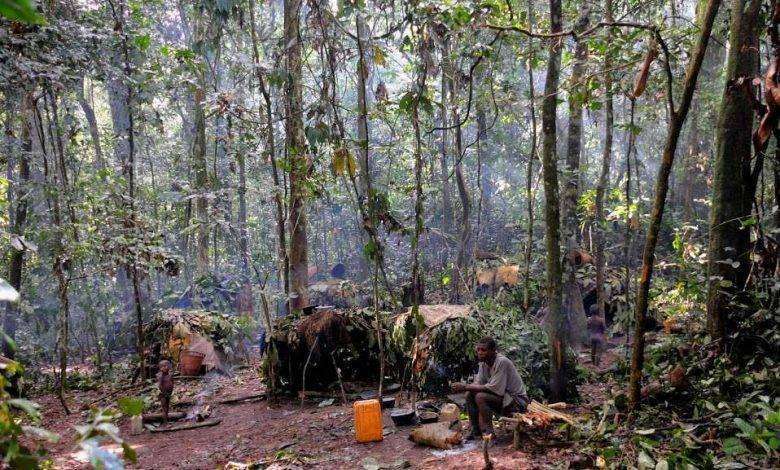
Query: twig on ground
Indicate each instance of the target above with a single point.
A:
(182, 427)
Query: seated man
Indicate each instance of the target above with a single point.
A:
(497, 388)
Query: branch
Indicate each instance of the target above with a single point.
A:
(571, 32)
(653, 29)
(471, 92)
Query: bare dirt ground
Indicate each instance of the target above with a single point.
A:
(301, 437)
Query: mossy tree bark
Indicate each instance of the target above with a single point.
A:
(552, 211)
(297, 154)
(732, 190)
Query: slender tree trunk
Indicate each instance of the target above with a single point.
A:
(557, 323)
(89, 114)
(243, 234)
(691, 156)
(446, 197)
(661, 189)
(529, 194)
(362, 117)
(62, 262)
(483, 203)
(627, 243)
(121, 112)
(199, 167)
(732, 195)
(462, 262)
(297, 154)
(281, 248)
(604, 177)
(776, 185)
(366, 172)
(19, 218)
(460, 271)
(572, 296)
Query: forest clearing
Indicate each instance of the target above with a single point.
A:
(378, 234)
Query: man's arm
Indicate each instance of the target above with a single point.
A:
(475, 387)
(458, 387)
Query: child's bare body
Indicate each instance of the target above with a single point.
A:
(596, 330)
(165, 383)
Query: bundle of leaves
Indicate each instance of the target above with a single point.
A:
(343, 338)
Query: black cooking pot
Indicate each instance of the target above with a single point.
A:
(388, 402)
(402, 416)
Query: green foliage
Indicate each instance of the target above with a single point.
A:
(131, 406)
(20, 10)
(19, 420)
(99, 429)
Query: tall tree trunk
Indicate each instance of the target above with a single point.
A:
(627, 242)
(661, 189)
(281, 248)
(776, 185)
(574, 310)
(89, 114)
(732, 195)
(362, 117)
(529, 194)
(606, 161)
(446, 197)
(552, 211)
(574, 139)
(200, 169)
(691, 156)
(297, 154)
(120, 100)
(483, 183)
(365, 169)
(462, 261)
(19, 217)
(243, 234)
(62, 261)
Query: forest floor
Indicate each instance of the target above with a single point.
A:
(304, 437)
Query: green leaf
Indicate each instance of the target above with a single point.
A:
(744, 426)
(370, 249)
(645, 462)
(20, 10)
(461, 15)
(406, 102)
(143, 41)
(29, 407)
(644, 432)
(41, 433)
(733, 446)
(129, 453)
(131, 406)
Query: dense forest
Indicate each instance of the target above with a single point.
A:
(298, 207)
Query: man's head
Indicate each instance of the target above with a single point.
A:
(165, 366)
(486, 349)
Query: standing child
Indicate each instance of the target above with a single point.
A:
(596, 330)
(165, 383)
